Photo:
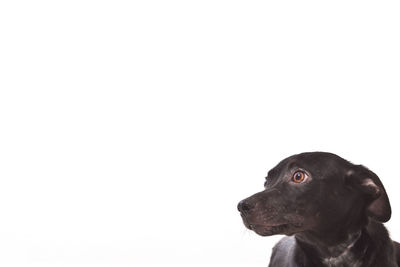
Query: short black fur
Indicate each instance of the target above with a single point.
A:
(332, 216)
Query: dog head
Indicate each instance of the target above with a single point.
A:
(315, 191)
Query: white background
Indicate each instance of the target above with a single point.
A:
(131, 129)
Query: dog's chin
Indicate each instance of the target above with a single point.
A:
(282, 229)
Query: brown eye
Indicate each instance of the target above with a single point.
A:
(298, 177)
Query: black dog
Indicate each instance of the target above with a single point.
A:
(330, 209)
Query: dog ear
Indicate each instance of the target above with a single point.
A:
(378, 205)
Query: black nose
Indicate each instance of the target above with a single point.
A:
(244, 206)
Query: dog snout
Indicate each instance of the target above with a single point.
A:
(244, 206)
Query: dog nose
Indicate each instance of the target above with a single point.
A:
(244, 206)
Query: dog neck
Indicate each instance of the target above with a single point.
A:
(346, 255)
(335, 253)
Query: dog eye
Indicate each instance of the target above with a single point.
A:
(298, 177)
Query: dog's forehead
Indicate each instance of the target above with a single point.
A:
(315, 162)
